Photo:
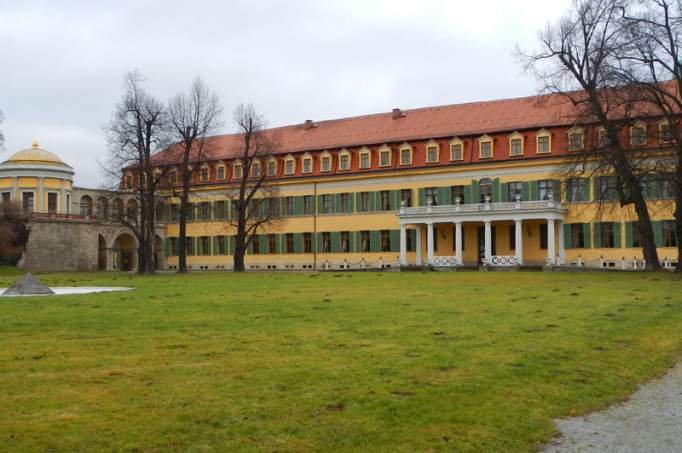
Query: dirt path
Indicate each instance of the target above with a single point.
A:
(651, 422)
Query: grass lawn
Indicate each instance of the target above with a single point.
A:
(327, 362)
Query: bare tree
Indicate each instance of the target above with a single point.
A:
(254, 201)
(135, 132)
(193, 117)
(652, 63)
(577, 60)
(2, 137)
(14, 232)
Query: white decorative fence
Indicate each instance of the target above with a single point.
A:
(444, 261)
(503, 260)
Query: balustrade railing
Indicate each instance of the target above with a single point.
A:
(481, 207)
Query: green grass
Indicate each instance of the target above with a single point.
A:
(327, 362)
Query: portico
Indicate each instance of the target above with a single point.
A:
(537, 222)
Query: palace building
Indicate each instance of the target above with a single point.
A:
(456, 185)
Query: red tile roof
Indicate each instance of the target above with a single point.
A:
(475, 118)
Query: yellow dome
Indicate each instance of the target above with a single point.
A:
(35, 154)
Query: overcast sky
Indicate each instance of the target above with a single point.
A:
(62, 62)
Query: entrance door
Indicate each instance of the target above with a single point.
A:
(481, 242)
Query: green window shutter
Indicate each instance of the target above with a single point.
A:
(373, 202)
(213, 244)
(568, 244)
(534, 190)
(196, 245)
(317, 247)
(617, 236)
(444, 195)
(585, 195)
(586, 235)
(395, 240)
(298, 205)
(374, 241)
(597, 235)
(628, 235)
(658, 233)
(467, 195)
(525, 191)
(249, 248)
(357, 242)
(232, 245)
(413, 240)
(336, 242)
(358, 202)
(336, 203)
(166, 247)
(556, 189)
(475, 198)
(395, 200)
(496, 190)
(422, 197)
(504, 191)
(318, 204)
(298, 242)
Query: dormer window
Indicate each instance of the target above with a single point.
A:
(456, 149)
(307, 164)
(406, 154)
(365, 158)
(432, 154)
(575, 139)
(638, 134)
(220, 172)
(203, 175)
(344, 160)
(272, 167)
(602, 137)
(173, 176)
(255, 169)
(544, 142)
(516, 144)
(289, 166)
(237, 170)
(665, 133)
(384, 156)
(326, 163)
(485, 147)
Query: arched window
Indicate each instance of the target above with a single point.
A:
(102, 207)
(131, 209)
(485, 189)
(117, 209)
(86, 205)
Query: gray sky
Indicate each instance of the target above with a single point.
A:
(63, 62)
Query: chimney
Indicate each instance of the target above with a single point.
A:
(309, 124)
(397, 113)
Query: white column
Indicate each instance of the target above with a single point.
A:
(429, 243)
(15, 191)
(488, 242)
(518, 241)
(63, 202)
(403, 245)
(418, 242)
(562, 250)
(551, 249)
(458, 243)
(41, 194)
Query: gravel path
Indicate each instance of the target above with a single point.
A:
(651, 422)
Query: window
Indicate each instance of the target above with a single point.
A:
(346, 202)
(345, 242)
(577, 231)
(326, 204)
(6, 197)
(668, 234)
(512, 237)
(485, 190)
(575, 140)
(205, 247)
(307, 165)
(432, 153)
(189, 245)
(665, 133)
(204, 174)
(406, 155)
(457, 193)
(364, 201)
(273, 207)
(364, 241)
(431, 194)
(606, 188)
(456, 150)
(173, 246)
(667, 186)
(86, 205)
(485, 145)
(384, 157)
(205, 211)
(52, 203)
(307, 242)
(272, 243)
(365, 160)
(222, 245)
(289, 206)
(344, 160)
(117, 209)
(514, 191)
(255, 170)
(219, 210)
(406, 197)
(607, 235)
(289, 237)
(410, 233)
(602, 137)
(255, 245)
(308, 204)
(638, 134)
(544, 142)
(326, 164)
(385, 200)
(546, 189)
(326, 242)
(576, 189)
(173, 177)
(131, 209)
(289, 166)
(220, 172)
(272, 167)
(237, 169)
(128, 181)
(385, 241)
(543, 236)
(516, 144)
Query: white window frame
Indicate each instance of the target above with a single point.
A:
(486, 139)
(431, 144)
(456, 142)
(513, 137)
(365, 151)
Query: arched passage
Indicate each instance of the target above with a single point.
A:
(125, 253)
(101, 253)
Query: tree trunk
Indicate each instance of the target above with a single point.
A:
(646, 232)
(184, 199)
(678, 211)
(239, 253)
